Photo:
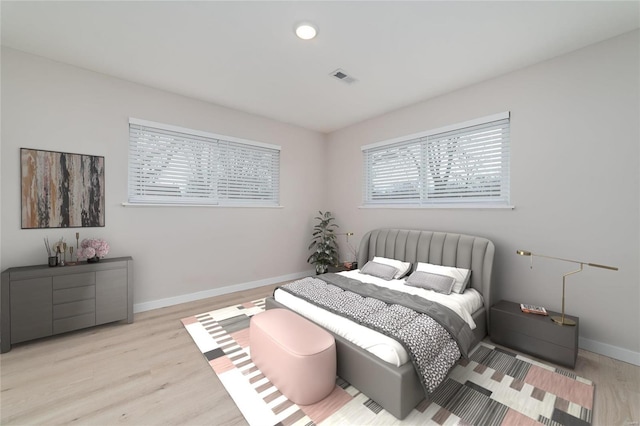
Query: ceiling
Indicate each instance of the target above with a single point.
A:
(244, 55)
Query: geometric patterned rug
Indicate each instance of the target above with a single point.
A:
(493, 387)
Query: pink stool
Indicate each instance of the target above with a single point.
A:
(296, 355)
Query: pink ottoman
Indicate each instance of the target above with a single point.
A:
(296, 355)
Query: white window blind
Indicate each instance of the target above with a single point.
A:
(466, 163)
(171, 165)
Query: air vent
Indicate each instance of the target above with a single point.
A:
(343, 76)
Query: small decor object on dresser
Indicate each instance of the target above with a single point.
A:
(93, 249)
(53, 256)
(60, 248)
(532, 309)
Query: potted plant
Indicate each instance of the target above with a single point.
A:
(323, 243)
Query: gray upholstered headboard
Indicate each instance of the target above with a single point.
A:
(438, 248)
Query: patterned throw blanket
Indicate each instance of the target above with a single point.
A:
(433, 335)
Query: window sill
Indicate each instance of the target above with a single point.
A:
(234, 206)
(438, 206)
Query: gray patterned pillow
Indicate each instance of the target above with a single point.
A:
(380, 270)
(436, 282)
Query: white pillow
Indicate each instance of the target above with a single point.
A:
(402, 267)
(461, 275)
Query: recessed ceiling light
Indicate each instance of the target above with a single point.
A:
(306, 30)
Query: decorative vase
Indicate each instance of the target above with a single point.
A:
(94, 259)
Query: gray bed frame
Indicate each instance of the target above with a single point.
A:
(398, 389)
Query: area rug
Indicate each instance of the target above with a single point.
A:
(493, 387)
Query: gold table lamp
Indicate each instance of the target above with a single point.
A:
(561, 319)
(351, 248)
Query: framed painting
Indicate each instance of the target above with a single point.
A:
(61, 190)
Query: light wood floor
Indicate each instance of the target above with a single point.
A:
(150, 373)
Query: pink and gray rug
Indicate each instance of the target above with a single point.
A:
(493, 387)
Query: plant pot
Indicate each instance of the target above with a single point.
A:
(321, 269)
(94, 259)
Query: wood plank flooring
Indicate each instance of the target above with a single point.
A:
(150, 373)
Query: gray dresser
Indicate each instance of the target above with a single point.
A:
(39, 301)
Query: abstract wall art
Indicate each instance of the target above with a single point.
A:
(61, 190)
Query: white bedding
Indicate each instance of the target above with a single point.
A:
(378, 344)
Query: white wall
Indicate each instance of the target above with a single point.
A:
(574, 178)
(177, 250)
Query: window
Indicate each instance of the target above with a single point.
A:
(172, 165)
(467, 163)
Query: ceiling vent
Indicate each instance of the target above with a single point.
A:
(343, 76)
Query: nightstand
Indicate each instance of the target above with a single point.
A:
(346, 266)
(534, 334)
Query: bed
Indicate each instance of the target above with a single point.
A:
(396, 386)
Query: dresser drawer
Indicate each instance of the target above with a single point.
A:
(73, 323)
(71, 309)
(74, 280)
(74, 294)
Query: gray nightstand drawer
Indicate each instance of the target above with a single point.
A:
(537, 327)
(536, 347)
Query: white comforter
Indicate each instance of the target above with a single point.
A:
(378, 344)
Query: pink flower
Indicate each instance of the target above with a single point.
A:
(93, 247)
(87, 252)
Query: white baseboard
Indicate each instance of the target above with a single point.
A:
(611, 351)
(183, 298)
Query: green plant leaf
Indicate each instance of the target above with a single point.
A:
(324, 241)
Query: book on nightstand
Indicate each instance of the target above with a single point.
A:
(532, 309)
